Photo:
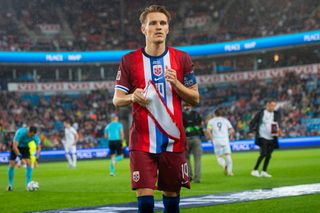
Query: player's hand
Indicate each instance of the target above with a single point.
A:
(19, 156)
(171, 76)
(138, 97)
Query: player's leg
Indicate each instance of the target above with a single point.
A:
(143, 167)
(25, 152)
(269, 150)
(145, 200)
(33, 149)
(12, 162)
(197, 152)
(263, 152)
(172, 165)
(33, 160)
(11, 174)
(218, 150)
(119, 153)
(112, 164)
(171, 202)
(67, 150)
(119, 157)
(229, 160)
(112, 148)
(28, 171)
(74, 155)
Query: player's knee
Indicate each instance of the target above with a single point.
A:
(219, 157)
(145, 204)
(28, 162)
(263, 154)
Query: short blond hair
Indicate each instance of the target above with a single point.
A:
(154, 9)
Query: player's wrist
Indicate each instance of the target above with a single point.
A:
(131, 98)
(176, 84)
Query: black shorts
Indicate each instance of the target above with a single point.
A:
(115, 147)
(25, 152)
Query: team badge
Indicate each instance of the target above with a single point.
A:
(136, 176)
(157, 69)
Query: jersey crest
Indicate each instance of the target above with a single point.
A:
(157, 69)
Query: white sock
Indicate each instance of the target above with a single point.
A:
(69, 159)
(221, 162)
(229, 163)
(74, 157)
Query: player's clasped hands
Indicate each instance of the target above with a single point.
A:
(138, 97)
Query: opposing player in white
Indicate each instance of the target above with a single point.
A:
(69, 142)
(219, 129)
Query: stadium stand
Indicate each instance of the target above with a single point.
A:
(79, 25)
(298, 102)
(92, 25)
(89, 112)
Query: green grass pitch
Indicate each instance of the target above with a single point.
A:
(90, 184)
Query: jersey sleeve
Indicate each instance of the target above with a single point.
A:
(189, 78)
(18, 135)
(209, 125)
(37, 139)
(73, 131)
(123, 79)
(121, 126)
(106, 130)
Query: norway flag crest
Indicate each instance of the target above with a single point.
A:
(157, 69)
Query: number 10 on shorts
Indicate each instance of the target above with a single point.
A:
(184, 170)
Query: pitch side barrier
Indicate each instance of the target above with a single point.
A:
(113, 56)
(239, 145)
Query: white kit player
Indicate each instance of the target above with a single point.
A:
(69, 142)
(219, 130)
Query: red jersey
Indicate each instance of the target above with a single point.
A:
(135, 70)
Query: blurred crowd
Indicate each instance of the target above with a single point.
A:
(90, 112)
(81, 25)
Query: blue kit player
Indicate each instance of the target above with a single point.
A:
(21, 149)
